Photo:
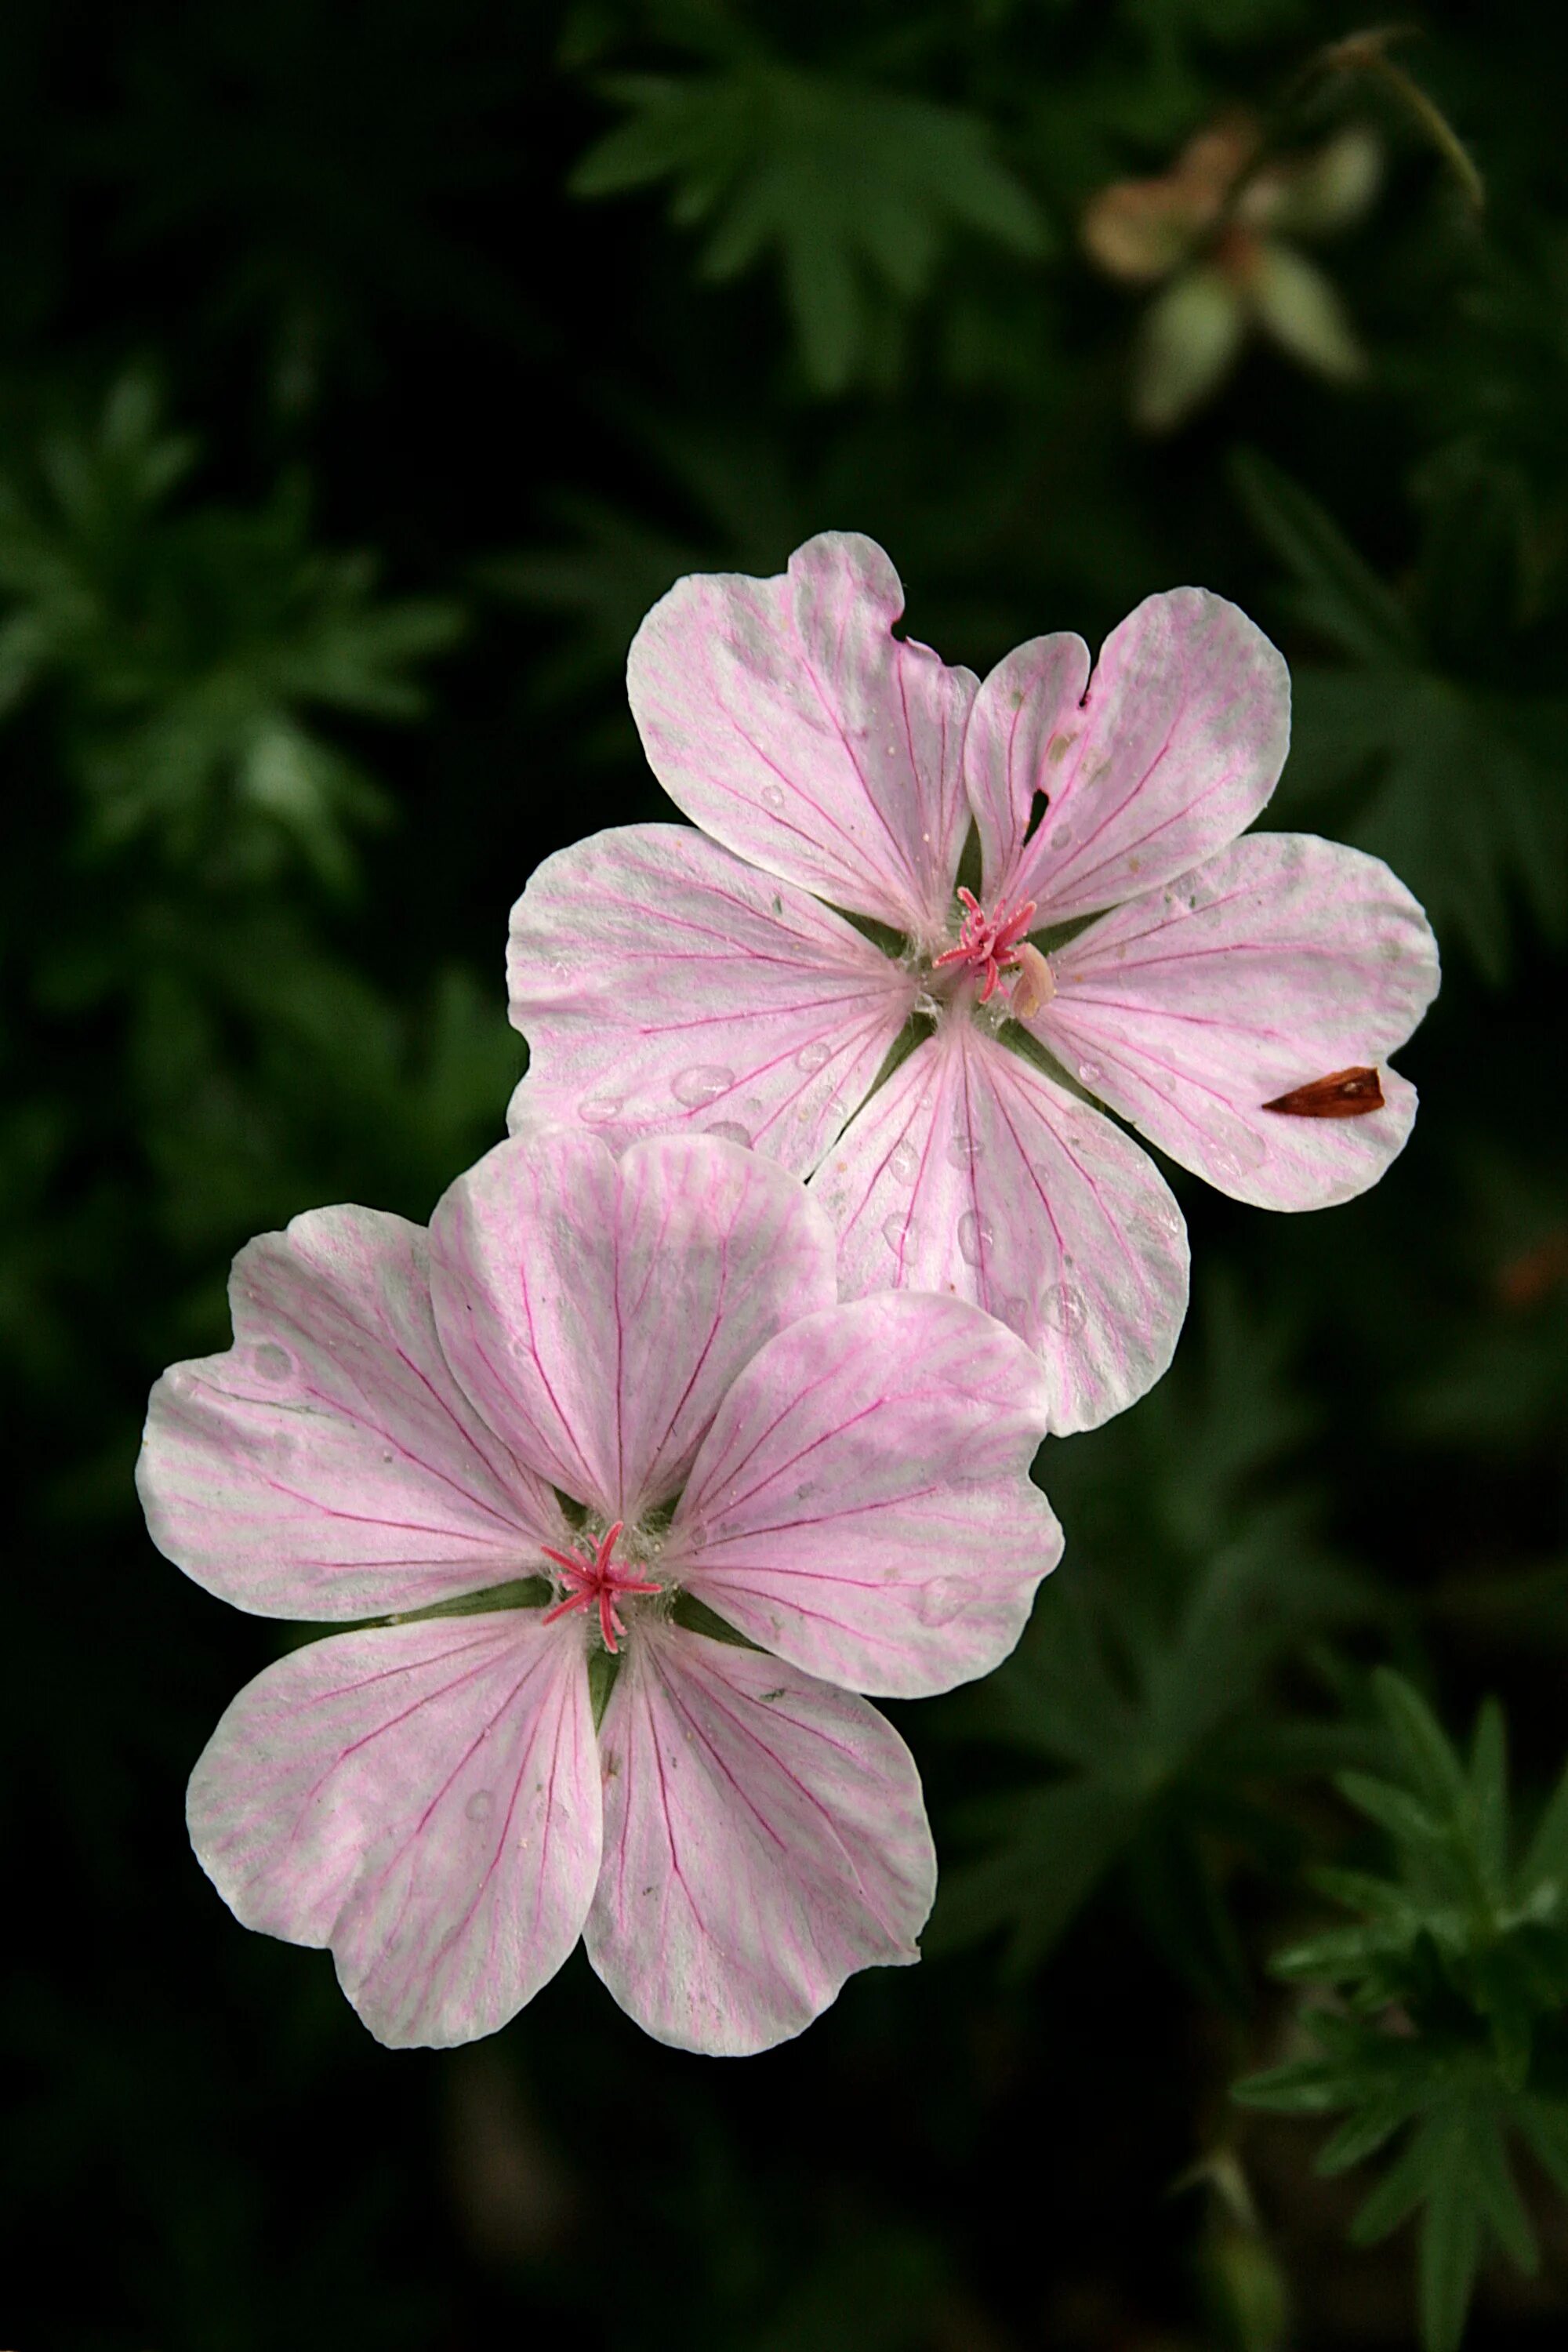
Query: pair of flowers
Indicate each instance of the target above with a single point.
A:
(655, 1461)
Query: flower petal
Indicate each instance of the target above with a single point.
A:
(1026, 721)
(973, 1173)
(329, 1465)
(425, 1799)
(1178, 745)
(663, 984)
(783, 718)
(604, 1307)
(1277, 962)
(862, 1504)
(764, 1837)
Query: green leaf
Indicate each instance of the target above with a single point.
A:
(1546, 1862)
(189, 649)
(1307, 2086)
(1051, 1848)
(1488, 1798)
(853, 191)
(1450, 2244)
(1493, 2187)
(1362, 2135)
(1436, 1772)
(1545, 2123)
(1407, 2183)
(1336, 593)
(1394, 1809)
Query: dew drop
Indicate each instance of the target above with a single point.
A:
(730, 1130)
(702, 1084)
(772, 796)
(273, 1362)
(939, 1602)
(1015, 1312)
(1063, 1307)
(1240, 1154)
(1091, 1074)
(976, 1235)
(598, 1110)
(386, 1454)
(900, 1232)
(964, 1148)
(902, 1162)
(1061, 837)
(814, 1057)
(480, 1805)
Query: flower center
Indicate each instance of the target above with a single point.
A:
(597, 1579)
(990, 944)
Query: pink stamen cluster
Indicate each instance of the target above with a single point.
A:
(989, 943)
(596, 1583)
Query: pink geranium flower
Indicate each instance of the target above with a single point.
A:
(448, 1798)
(1117, 948)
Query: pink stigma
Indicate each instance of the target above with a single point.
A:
(596, 1583)
(989, 943)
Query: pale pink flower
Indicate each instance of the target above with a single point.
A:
(392, 1434)
(1117, 946)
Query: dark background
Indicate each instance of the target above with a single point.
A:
(348, 425)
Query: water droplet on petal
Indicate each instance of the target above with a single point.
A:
(976, 1235)
(902, 1162)
(815, 1057)
(939, 1602)
(772, 796)
(1015, 1312)
(1238, 1154)
(1089, 1073)
(1061, 837)
(730, 1130)
(900, 1232)
(598, 1110)
(386, 1454)
(273, 1362)
(702, 1084)
(480, 1805)
(964, 1148)
(1063, 1307)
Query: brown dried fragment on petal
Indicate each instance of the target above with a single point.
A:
(1343, 1094)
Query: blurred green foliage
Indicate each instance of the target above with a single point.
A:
(1155, 1685)
(854, 189)
(343, 442)
(1447, 2026)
